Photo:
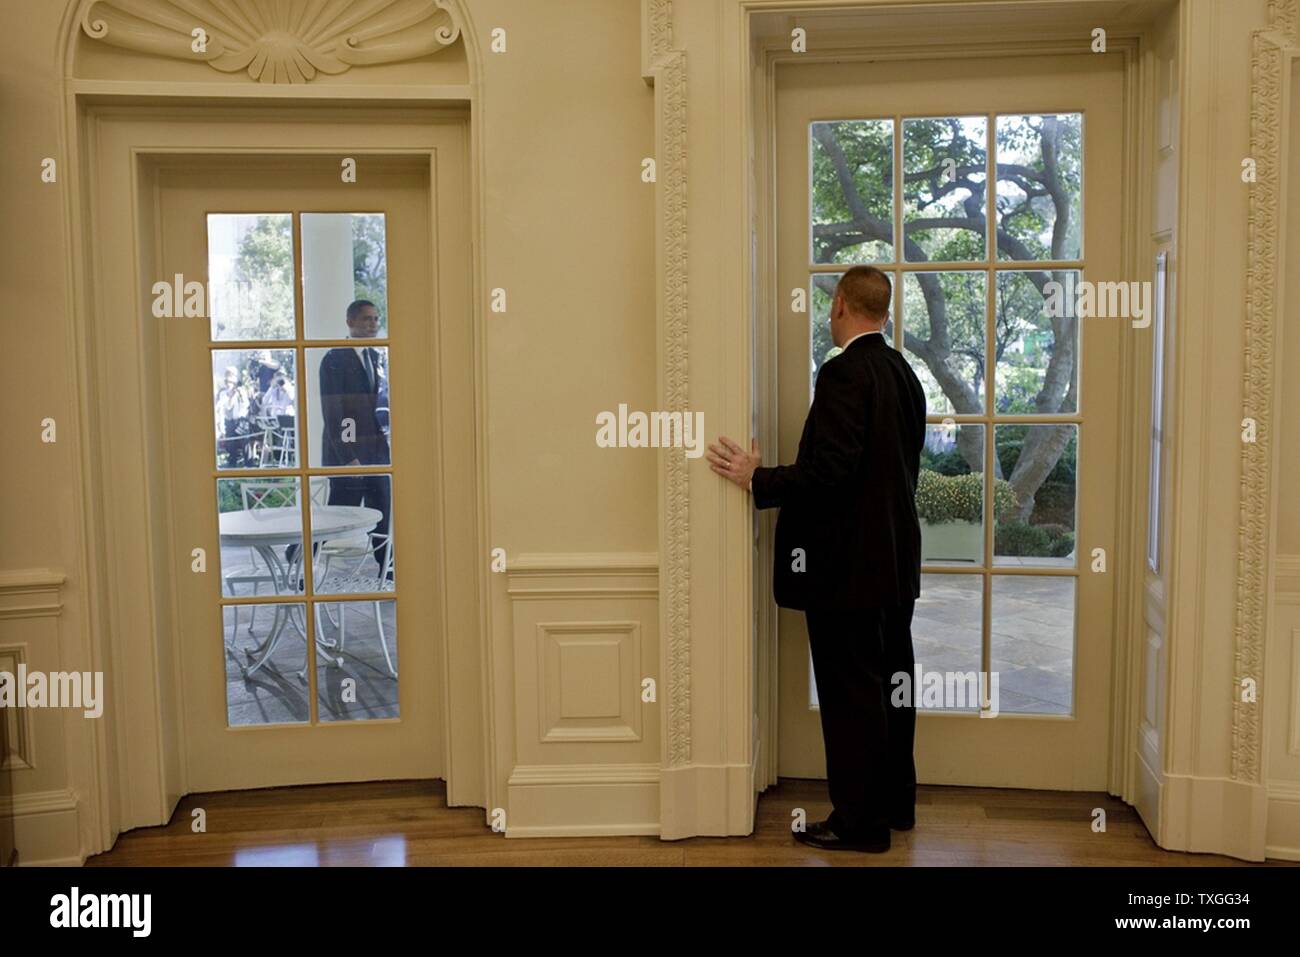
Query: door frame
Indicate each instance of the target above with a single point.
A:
(422, 474)
(137, 775)
(767, 53)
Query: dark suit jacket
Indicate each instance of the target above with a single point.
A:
(849, 500)
(346, 393)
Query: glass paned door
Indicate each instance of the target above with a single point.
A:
(299, 423)
(987, 202)
(963, 328)
(281, 549)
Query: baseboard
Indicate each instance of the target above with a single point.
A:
(645, 829)
(587, 800)
(684, 791)
(1214, 816)
(46, 828)
(1282, 838)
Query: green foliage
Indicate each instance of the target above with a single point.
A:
(961, 245)
(1054, 499)
(1063, 545)
(1037, 156)
(1054, 502)
(958, 498)
(963, 298)
(1018, 539)
(230, 497)
(1011, 440)
(823, 291)
(945, 463)
(1026, 540)
(1004, 496)
(1017, 388)
(1064, 471)
(944, 162)
(370, 259)
(868, 148)
(1026, 141)
(1024, 342)
(264, 267)
(263, 271)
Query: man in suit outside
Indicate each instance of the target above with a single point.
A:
(848, 554)
(351, 382)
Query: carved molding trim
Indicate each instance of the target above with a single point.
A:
(659, 33)
(31, 593)
(587, 575)
(42, 802)
(1271, 51)
(276, 41)
(17, 742)
(666, 68)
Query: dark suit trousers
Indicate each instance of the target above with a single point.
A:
(372, 491)
(869, 764)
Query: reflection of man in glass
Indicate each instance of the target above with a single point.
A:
(351, 387)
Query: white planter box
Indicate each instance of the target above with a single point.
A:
(952, 542)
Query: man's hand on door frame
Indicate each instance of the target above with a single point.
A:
(732, 462)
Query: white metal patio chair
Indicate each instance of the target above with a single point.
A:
(358, 581)
(354, 547)
(278, 445)
(253, 495)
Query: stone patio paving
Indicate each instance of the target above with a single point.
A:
(277, 693)
(1032, 639)
(1032, 647)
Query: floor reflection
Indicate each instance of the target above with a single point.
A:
(388, 851)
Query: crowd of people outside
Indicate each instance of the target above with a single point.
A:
(255, 408)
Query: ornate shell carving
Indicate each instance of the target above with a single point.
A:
(276, 41)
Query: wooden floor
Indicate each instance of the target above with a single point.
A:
(407, 823)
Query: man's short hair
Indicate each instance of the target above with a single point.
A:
(867, 291)
(354, 309)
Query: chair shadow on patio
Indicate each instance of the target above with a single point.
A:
(351, 684)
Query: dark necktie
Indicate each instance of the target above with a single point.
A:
(370, 368)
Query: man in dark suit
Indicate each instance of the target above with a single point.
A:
(351, 385)
(848, 554)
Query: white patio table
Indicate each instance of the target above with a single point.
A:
(268, 531)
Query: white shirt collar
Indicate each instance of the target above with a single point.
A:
(361, 350)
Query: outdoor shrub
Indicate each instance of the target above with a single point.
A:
(1019, 539)
(958, 498)
(1062, 545)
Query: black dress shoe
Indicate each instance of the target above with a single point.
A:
(821, 836)
(903, 816)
